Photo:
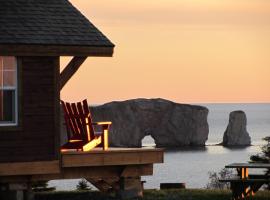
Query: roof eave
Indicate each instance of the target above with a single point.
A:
(55, 50)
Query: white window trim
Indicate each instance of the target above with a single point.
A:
(4, 124)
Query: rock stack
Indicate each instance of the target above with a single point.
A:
(236, 133)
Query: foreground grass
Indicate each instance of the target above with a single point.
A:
(188, 194)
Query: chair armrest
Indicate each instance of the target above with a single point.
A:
(101, 123)
(105, 125)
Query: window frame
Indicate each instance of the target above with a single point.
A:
(16, 120)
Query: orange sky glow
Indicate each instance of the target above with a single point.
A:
(188, 51)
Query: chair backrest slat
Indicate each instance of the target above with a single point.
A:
(74, 128)
(67, 120)
(78, 121)
(86, 110)
(85, 120)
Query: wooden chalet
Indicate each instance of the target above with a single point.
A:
(33, 36)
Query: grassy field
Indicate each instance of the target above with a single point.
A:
(194, 194)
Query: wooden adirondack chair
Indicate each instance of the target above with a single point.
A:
(80, 128)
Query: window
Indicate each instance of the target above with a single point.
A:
(8, 91)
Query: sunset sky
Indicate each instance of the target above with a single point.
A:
(188, 51)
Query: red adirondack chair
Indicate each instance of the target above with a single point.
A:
(80, 128)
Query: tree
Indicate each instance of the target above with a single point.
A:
(214, 178)
(39, 186)
(264, 156)
(83, 185)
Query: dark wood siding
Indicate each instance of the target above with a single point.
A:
(37, 135)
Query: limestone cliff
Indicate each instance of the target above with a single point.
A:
(170, 124)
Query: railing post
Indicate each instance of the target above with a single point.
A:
(130, 187)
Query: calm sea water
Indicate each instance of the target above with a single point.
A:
(191, 166)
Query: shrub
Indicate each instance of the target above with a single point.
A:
(39, 186)
(83, 185)
(264, 156)
(214, 178)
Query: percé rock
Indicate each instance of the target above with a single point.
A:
(236, 133)
(170, 124)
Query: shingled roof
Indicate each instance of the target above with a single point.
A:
(49, 23)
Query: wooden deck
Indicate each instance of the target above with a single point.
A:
(95, 163)
(115, 170)
(112, 157)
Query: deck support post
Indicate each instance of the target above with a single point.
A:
(130, 187)
(28, 193)
(16, 191)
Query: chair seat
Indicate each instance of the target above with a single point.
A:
(73, 144)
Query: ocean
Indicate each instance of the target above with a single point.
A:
(192, 165)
